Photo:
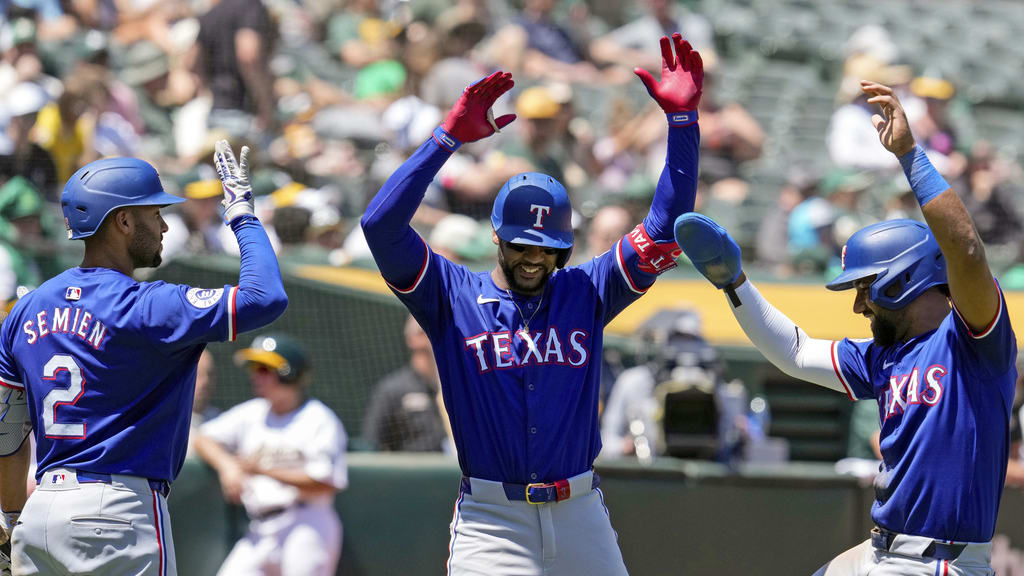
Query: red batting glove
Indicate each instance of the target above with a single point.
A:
(682, 77)
(467, 121)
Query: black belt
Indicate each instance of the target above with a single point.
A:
(162, 487)
(939, 550)
(267, 514)
(536, 493)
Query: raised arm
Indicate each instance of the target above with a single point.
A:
(260, 297)
(971, 285)
(717, 256)
(678, 93)
(386, 221)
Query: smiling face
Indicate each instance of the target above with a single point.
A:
(887, 326)
(526, 268)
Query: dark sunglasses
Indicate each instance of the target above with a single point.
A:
(522, 248)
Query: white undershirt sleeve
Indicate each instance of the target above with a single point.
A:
(782, 342)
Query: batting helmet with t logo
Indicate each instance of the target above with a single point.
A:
(901, 254)
(101, 186)
(533, 209)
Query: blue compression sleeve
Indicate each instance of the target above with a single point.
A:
(261, 297)
(677, 187)
(385, 223)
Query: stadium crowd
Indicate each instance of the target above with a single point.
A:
(335, 94)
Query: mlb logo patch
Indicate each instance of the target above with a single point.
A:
(57, 479)
(73, 293)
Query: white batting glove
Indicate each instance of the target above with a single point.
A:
(234, 176)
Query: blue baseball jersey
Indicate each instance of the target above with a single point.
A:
(522, 404)
(520, 376)
(108, 364)
(944, 400)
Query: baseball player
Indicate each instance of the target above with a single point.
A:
(518, 349)
(108, 364)
(941, 364)
(283, 456)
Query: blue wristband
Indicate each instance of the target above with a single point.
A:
(680, 119)
(925, 180)
(446, 140)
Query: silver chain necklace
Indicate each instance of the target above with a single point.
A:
(526, 322)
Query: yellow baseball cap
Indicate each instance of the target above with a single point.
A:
(936, 88)
(537, 103)
(202, 189)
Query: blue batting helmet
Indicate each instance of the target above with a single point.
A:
(902, 254)
(533, 208)
(99, 187)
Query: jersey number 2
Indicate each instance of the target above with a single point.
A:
(61, 396)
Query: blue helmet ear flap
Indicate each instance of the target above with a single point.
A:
(563, 257)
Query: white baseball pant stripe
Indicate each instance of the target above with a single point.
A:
(493, 536)
(904, 559)
(72, 527)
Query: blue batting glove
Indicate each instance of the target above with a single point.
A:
(713, 252)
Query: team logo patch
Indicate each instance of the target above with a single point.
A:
(843, 257)
(73, 293)
(204, 297)
(57, 479)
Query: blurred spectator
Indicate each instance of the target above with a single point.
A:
(54, 25)
(282, 455)
(632, 138)
(196, 227)
(292, 225)
(24, 157)
(541, 133)
(773, 233)
(852, 140)
(636, 44)
(359, 35)
(729, 134)
(539, 46)
(406, 412)
(935, 129)
(145, 72)
(20, 61)
(66, 128)
(21, 235)
(610, 223)
(812, 244)
(992, 197)
(845, 191)
(456, 237)
(232, 57)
